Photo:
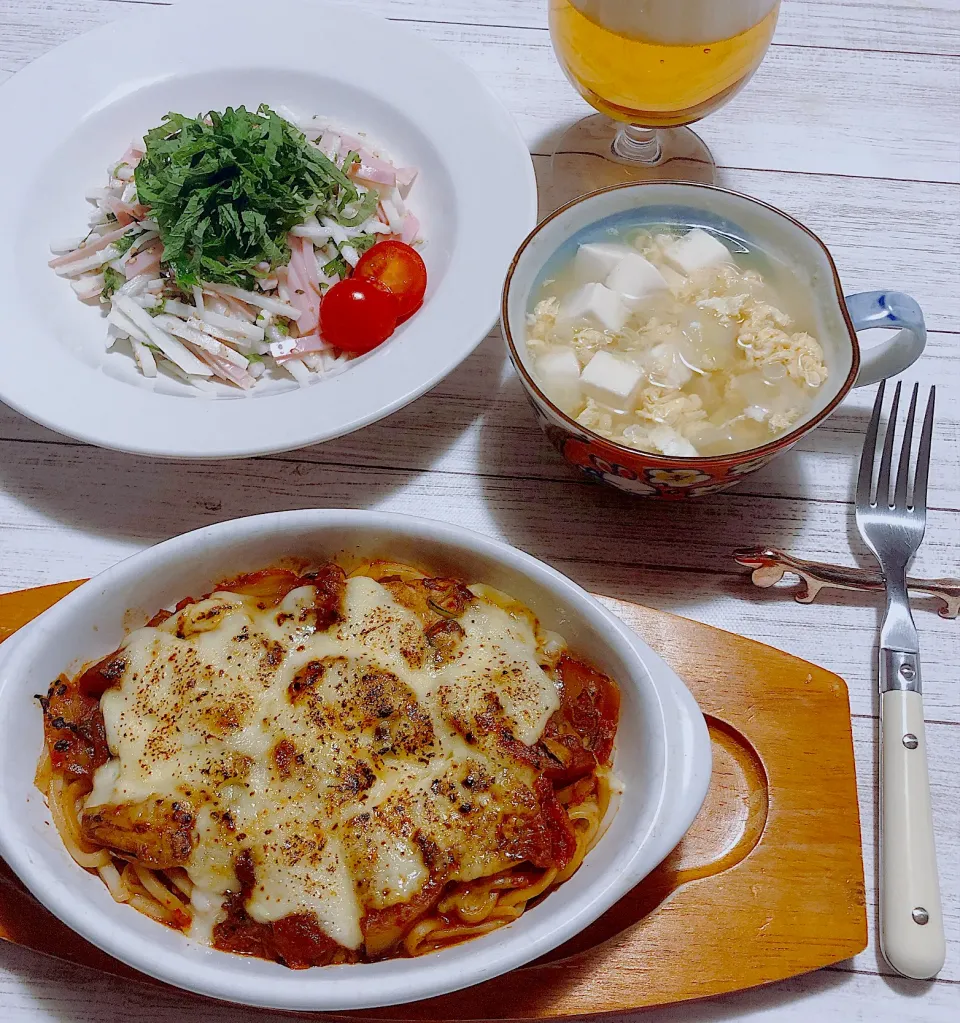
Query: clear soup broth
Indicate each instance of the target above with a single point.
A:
(676, 341)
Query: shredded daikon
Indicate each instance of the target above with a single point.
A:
(214, 332)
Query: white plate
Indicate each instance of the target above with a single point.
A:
(662, 754)
(75, 109)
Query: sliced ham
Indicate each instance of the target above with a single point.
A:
(226, 370)
(411, 228)
(405, 179)
(348, 143)
(132, 156)
(125, 212)
(239, 309)
(297, 289)
(308, 262)
(144, 262)
(374, 171)
(282, 351)
(303, 283)
(92, 246)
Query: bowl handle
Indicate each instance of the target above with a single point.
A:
(887, 309)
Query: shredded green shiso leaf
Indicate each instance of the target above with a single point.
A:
(124, 243)
(226, 188)
(112, 279)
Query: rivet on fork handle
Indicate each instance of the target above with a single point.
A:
(900, 670)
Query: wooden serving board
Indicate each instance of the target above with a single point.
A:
(768, 882)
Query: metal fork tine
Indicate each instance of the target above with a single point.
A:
(868, 455)
(919, 501)
(903, 470)
(883, 477)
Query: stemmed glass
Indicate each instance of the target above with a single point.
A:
(650, 67)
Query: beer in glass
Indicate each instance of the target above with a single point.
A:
(659, 64)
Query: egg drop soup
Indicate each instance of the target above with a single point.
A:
(666, 340)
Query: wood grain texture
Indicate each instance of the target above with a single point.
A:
(469, 450)
(768, 883)
(789, 116)
(924, 26)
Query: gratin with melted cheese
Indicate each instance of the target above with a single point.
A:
(315, 768)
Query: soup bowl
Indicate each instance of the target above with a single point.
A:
(743, 221)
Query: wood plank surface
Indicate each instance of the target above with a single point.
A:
(921, 26)
(769, 125)
(853, 125)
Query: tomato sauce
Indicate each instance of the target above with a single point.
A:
(73, 725)
(296, 941)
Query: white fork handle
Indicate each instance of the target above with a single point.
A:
(911, 918)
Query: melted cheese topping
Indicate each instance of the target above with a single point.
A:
(351, 764)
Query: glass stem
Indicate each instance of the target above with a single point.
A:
(634, 144)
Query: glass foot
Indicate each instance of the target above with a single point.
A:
(597, 152)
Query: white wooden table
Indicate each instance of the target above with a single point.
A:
(852, 124)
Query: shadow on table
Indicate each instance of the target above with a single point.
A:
(544, 507)
(564, 174)
(109, 493)
(423, 460)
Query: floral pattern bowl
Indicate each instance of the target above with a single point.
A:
(734, 216)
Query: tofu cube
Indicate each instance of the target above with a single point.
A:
(594, 261)
(696, 251)
(611, 381)
(559, 374)
(671, 442)
(596, 303)
(637, 280)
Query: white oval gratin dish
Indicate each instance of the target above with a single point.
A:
(662, 753)
(77, 108)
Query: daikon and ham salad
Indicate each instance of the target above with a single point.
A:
(214, 239)
(663, 339)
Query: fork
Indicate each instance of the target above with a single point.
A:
(892, 522)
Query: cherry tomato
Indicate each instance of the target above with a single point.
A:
(399, 268)
(357, 315)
